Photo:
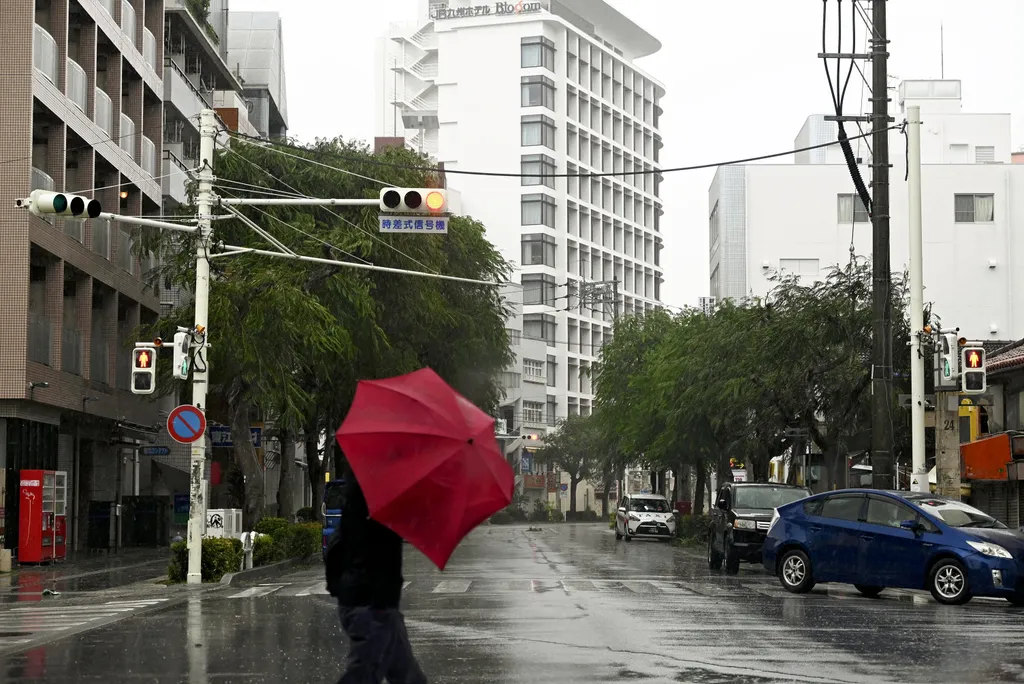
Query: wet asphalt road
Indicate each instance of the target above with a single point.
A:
(567, 604)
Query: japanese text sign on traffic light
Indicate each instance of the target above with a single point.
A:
(974, 374)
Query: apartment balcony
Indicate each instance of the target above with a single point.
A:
(40, 334)
(125, 258)
(99, 362)
(104, 116)
(128, 20)
(44, 53)
(127, 141)
(174, 178)
(77, 84)
(149, 48)
(72, 347)
(109, 6)
(75, 230)
(149, 157)
(41, 180)
(101, 237)
(179, 91)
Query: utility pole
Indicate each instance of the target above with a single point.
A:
(204, 205)
(881, 352)
(919, 473)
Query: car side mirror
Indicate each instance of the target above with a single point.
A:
(910, 525)
(622, 509)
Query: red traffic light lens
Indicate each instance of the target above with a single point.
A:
(143, 358)
(435, 201)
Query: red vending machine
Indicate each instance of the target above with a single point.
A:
(42, 516)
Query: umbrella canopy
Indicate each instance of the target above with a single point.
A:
(427, 460)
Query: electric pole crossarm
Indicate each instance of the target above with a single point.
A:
(253, 225)
(296, 202)
(151, 223)
(234, 249)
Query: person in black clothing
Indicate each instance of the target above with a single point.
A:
(364, 573)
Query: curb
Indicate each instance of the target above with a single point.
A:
(264, 571)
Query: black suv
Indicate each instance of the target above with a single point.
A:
(740, 520)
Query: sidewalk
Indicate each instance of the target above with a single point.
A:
(83, 572)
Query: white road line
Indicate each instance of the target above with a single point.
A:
(317, 589)
(533, 585)
(406, 586)
(641, 587)
(253, 592)
(452, 587)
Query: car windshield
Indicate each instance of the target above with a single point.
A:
(650, 505)
(334, 497)
(765, 498)
(956, 514)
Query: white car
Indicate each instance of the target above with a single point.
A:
(645, 515)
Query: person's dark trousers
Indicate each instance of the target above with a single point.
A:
(379, 647)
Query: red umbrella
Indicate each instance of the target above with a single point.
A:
(426, 459)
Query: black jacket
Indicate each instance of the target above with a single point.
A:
(364, 558)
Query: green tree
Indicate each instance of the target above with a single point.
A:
(574, 448)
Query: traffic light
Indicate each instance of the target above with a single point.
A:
(427, 201)
(46, 203)
(144, 369)
(973, 375)
(949, 359)
(182, 347)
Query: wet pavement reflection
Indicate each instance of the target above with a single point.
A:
(567, 604)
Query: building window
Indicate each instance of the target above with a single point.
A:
(852, 209)
(533, 412)
(514, 337)
(552, 411)
(538, 288)
(984, 154)
(974, 208)
(716, 284)
(552, 372)
(538, 250)
(538, 129)
(537, 51)
(533, 369)
(539, 327)
(538, 210)
(538, 169)
(537, 91)
(799, 266)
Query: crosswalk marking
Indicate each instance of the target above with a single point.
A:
(261, 590)
(23, 623)
(452, 587)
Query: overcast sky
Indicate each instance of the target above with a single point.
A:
(741, 75)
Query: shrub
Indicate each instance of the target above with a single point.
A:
(692, 528)
(539, 512)
(502, 517)
(275, 527)
(266, 551)
(219, 556)
(555, 516)
(303, 540)
(306, 514)
(611, 520)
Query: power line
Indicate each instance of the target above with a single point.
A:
(274, 147)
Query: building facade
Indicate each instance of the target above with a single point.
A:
(256, 56)
(542, 88)
(802, 217)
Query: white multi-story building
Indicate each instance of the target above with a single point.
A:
(541, 87)
(800, 217)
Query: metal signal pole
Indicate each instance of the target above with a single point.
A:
(881, 352)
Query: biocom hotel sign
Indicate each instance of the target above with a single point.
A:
(497, 9)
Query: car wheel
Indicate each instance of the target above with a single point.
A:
(795, 572)
(948, 582)
(625, 532)
(714, 558)
(618, 535)
(870, 592)
(732, 561)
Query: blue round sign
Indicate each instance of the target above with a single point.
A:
(186, 424)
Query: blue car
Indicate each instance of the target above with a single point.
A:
(876, 539)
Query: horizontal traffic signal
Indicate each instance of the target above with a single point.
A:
(413, 201)
(46, 203)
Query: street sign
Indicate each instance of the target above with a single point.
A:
(220, 435)
(564, 488)
(414, 224)
(186, 424)
(156, 451)
(526, 463)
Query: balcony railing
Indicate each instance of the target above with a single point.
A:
(125, 258)
(149, 157)
(109, 6)
(77, 85)
(101, 237)
(99, 361)
(128, 20)
(149, 47)
(39, 337)
(180, 92)
(104, 116)
(74, 230)
(41, 180)
(71, 351)
(127, 141)
(44, 53)
(175, 177)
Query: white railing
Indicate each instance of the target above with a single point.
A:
(109, 6)
(125, 258)
(128, 20)
(104, 116)
(149, 157)
(174, 178)
(77, 84)
(101, 237)
(427, 70)
(149, 47)
(44, 53)
(128, 136)
(41, 180)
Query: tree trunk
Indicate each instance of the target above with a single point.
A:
(246, 461)
(698, 490)
(285, 502)
(313, 466)
(573, 483)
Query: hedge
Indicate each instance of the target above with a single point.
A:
(220, 556)
(282, 539)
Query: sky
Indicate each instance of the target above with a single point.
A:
(741, 77)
